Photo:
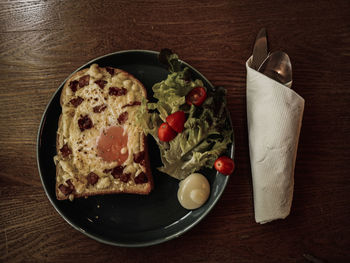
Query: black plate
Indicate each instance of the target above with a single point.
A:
(124, 219)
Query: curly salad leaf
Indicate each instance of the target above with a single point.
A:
(207, 131)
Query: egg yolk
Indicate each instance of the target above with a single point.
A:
(112, 145)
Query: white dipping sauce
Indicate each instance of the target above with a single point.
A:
(193, 191)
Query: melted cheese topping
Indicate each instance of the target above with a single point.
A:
(83, 144)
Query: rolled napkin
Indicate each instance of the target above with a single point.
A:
(274, 114)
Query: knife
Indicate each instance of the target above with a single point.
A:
(260, 49)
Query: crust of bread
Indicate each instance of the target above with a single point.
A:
(141, 189)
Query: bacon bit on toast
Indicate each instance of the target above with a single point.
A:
(92, 178)
(65, 150)
(101, 83)
(110, 70)
(123, 117)
(141, 178)
(100, 108)
(66, 190)
(119, 174)
(131, 104)
(84, 81)
(118, 170)
(85, 123)
(77, 101)
(139, 157)
(115, 91)
(125, 177)
(73, 85)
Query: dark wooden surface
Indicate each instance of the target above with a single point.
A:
(42, 42)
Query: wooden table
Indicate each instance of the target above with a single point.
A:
(42, 42)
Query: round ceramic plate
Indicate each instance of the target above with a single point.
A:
(125, 219)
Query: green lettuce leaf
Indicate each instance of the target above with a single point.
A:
(206, 133)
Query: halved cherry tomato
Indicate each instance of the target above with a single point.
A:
(224, 165)
(196, 96)
(177, 120)
(165, 132)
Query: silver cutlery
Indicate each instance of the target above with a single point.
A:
(278, 67)
(260, 49)
(275, 65)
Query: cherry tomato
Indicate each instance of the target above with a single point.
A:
(165, 132)
(196, 96)
(177, 120)
(224, 165)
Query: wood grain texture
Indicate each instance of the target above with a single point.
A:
(42, 42)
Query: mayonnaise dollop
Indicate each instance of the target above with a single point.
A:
(193, 191)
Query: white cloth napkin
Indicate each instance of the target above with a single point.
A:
(274, 114)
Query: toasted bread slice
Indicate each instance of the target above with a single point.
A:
(100, 148)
